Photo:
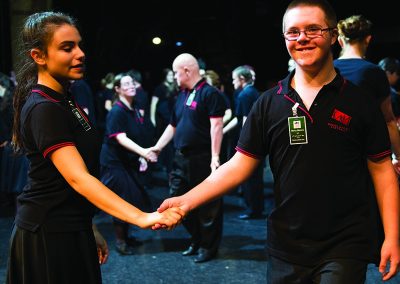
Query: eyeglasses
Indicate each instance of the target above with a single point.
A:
(309, 32)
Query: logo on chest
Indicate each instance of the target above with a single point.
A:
(342, 118)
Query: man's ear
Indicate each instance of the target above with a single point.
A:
(38, 56)
(186, 70)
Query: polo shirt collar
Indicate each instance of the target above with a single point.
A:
(50, 94)
(122, 105)
(198, 85)
(284, 87)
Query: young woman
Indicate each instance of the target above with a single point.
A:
(122, 159)
(52, 240)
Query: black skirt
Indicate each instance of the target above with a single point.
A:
(124, 182)
(52, 258)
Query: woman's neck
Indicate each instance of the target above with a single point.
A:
(46, 80)
(126, 101)
(352, 51)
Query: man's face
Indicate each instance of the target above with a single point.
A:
(236, 81)
(180, 75)
(308, 53)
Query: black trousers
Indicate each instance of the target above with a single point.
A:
(253, 191)
(204, 224)
(332, 271)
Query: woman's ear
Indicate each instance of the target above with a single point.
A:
(38, 56)
(368, 39)
(341, 41)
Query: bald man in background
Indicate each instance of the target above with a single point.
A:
(196, 128)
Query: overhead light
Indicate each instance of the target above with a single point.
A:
(156, 40)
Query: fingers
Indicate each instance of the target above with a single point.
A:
(164, 206)
(174, 217)
(393, 269)
(151, 155)
(156, 150)
(169, 219)
(102, 251)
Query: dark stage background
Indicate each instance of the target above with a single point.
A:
(117, 34)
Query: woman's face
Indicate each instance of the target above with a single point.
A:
(127, 87)
(170, 77)
(64, 59)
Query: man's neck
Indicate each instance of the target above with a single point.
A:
(194, 82)
(308, 84)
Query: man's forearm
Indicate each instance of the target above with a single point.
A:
(167, 136)
(216, 135)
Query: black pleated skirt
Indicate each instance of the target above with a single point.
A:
(124, 182)
(52, 258)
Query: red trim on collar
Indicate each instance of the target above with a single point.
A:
(280, 88)
(200, 85)
(121, 105)
(300, 107)
(45, 95)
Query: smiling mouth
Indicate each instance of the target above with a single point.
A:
(79, 66)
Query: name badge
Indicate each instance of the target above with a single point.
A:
(80, 118)
(297, 130)
(190, 98)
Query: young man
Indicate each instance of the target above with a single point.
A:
(322, 135)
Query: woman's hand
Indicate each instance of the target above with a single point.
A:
(102, 248)
(167, 219)
(150, 155)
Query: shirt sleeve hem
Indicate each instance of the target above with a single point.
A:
(47, 151)
(237, 148)
(380, 156)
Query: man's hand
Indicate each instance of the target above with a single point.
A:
(214, 163)
(155, 150)
(174, 202)
(389, 257)
(150, 155)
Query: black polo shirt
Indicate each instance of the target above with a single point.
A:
(245, 101)
(48, 123)
(320, 188)
(121, 119)
(192, 120)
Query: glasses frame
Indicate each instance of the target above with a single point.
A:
(305, 31)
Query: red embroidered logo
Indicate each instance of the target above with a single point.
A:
(341, 117)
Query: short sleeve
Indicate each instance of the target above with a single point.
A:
(377, 140)
(215, 104)
(50, 128)
(252, 137)
(116, 123)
